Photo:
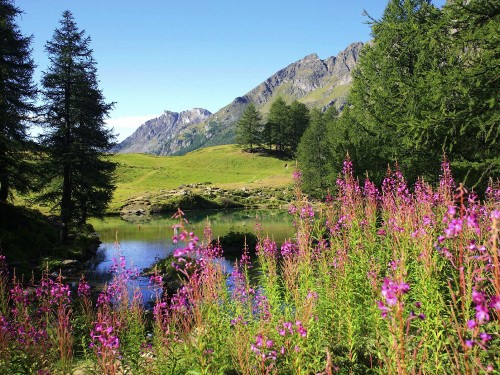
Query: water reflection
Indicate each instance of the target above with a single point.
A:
(142, 244)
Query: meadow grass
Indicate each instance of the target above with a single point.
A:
(374, 281)
(224, 166)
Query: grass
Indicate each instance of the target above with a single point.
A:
(224, 166)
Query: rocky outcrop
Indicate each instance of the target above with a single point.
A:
(311, 80)
(163, 135)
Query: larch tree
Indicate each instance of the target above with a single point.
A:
(298, 123)
(278, 123)
(79, 177)
(17, 96)
(314, 154)
(427, 86)
(249, 128)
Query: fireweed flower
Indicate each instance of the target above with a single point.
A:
(288, 249)
(484, 337)
(297, 175)
(262, 348)
(392, 293)
(307, 212)
(471, 324)
(261, 307)
(495, 303)
(239, 286)
(300, 329)
(83, 288)
(104, 337)
(156, 280)
(267, 248)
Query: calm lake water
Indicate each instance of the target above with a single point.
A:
(143, 243)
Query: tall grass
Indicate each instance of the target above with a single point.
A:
(389, 281)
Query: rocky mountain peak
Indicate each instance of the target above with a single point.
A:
(311, 80)
(147, 138)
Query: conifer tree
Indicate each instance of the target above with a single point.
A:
(79, 177)
(314, 154)
(249, 128)
(298, 122)
(17, 95)
(426, 86)
(278, 123)
(386, 104)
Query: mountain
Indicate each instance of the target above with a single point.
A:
(315, 82)
(165, 134)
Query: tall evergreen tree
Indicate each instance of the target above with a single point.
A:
(467, 109)
(17, 95)
(298, 122)
(81, 179)
(428, 86)
(249, 128)
(314, 154)
(278, 123)
(386, 103)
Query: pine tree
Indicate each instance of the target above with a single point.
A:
(80, 179)
(467, 112)
(17, 95)
(314, 155)
(249, 128)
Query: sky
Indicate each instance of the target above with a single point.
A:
(175, 55)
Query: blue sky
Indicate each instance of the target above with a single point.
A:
(156, 55)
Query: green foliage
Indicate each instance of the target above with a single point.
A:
(16, 104)
(314, 153)
(235, 240)
(425, 87)
(76, 176)
(249, 128)
(299, 121)
(278, 124)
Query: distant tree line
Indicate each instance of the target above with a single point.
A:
(282, 131)
(426, 87)
(67, 167)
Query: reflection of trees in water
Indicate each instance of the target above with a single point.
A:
(221, 221)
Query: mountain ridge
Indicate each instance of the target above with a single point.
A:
(311, 80)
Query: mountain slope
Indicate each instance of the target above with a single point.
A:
(159, 135)
(315, 82)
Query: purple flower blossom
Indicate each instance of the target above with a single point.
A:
(300, 329)
(495, 303)
(484, 337)
(83, 288)
(482, 314)
(267, 248)
(471, 324)
(288, 249)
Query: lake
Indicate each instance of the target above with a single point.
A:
(144, 242)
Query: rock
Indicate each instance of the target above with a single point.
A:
(177, 133)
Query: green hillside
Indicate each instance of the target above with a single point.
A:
(221, 166)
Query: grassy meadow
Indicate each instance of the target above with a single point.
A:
(224, 166)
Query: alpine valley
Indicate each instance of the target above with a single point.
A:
(312, 81)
